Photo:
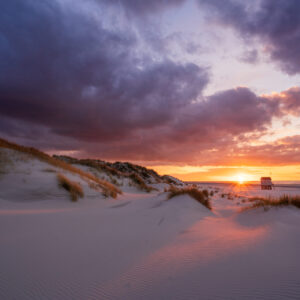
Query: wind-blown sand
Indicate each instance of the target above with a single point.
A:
(141, 246)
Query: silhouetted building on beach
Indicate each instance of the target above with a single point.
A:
(266, 183)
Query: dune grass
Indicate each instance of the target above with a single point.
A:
(98, 165)
(72, 187)
(108, 188)
(198, 195)
(139, 182)
(119, 170)
(282, 201)
(167, 179)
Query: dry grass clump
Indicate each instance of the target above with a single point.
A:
(72, 187)
(107, 187)
(140, 182)
(127, 168)
(205, 193)
(167, 179)
(198, 195)
(284, 200)
(99, 165)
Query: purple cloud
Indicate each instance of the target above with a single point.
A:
(250, 56)
(275, 22)
(144, 7)
(70, 82)
(66, 71)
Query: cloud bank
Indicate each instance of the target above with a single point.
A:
(71, 81)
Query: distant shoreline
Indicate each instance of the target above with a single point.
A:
(290, 184)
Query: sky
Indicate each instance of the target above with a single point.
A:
(199, 89)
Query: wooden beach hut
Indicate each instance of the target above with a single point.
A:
(266, 183)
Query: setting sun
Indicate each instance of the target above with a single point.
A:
(240, 178)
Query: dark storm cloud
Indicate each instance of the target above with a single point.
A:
(69, 81)
(62, 69)
(199, 132)
(142, 6)
(275, 22)
(240, 110)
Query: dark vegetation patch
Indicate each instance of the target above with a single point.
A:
(205, 193)
(169, 180)
(140, 183)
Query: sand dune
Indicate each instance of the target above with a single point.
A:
(140, 246)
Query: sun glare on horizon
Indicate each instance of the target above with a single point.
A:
(240, 178)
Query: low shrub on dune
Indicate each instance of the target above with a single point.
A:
(169, 180)
(98, 165)
(140, 182)
(284, 200)
(198, 195)
(72, 187)
(205, 192)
